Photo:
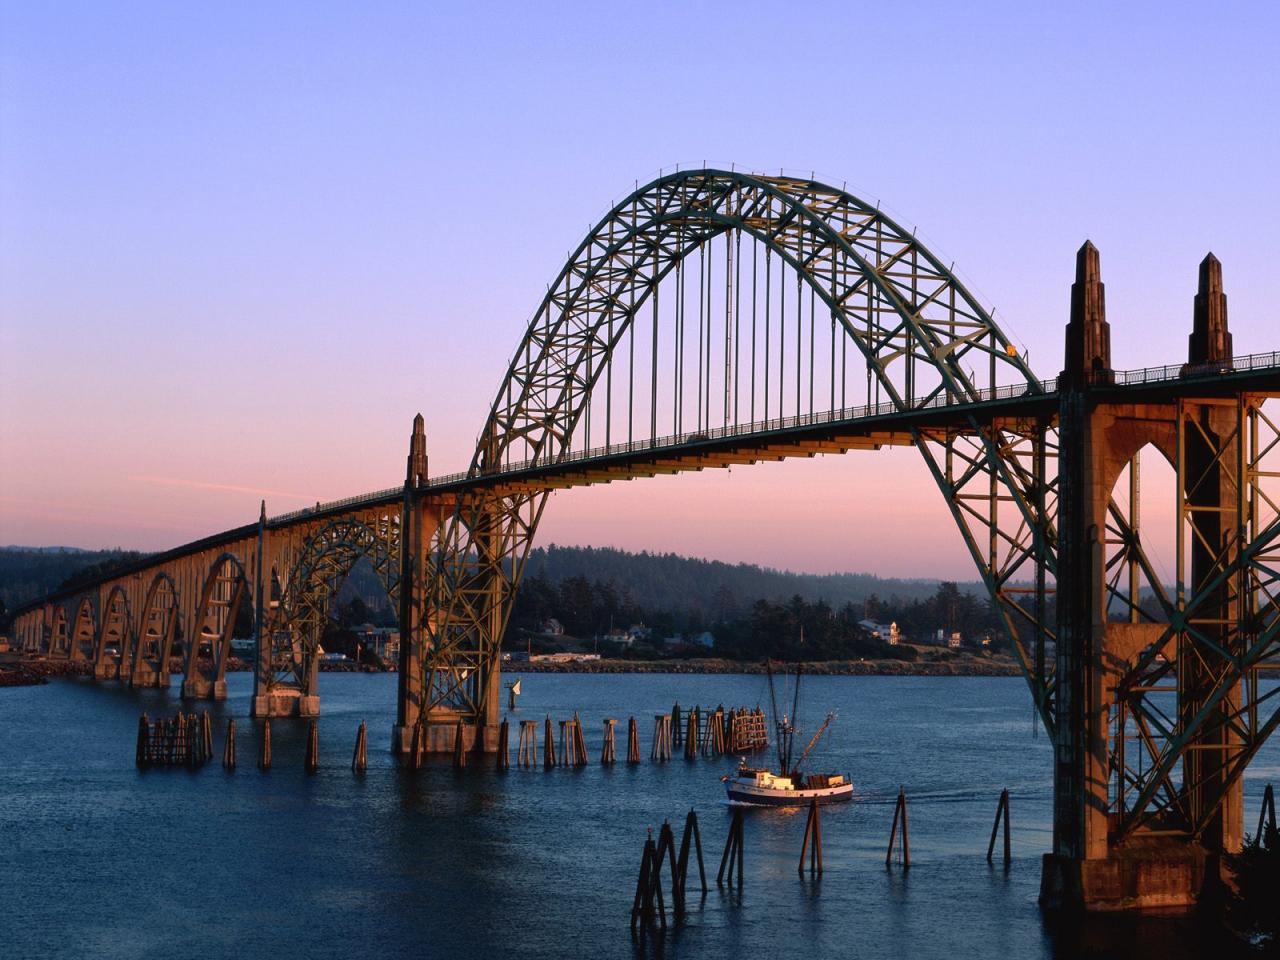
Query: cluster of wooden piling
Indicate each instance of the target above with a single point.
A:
(184, 740)
(715, 732)
(648, 909)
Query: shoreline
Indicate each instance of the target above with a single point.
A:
(970, 667)
(32, 672)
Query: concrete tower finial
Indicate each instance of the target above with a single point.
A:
(1088, 354)
(416, 471)
(1210, 340)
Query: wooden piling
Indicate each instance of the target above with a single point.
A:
(899, 812)
(732, 852)
(661, 751)
(691, 833)
(142, 753)
(573, 751)
(677, 730)
(608, 751)
(633, 741)
(193, 741)
(1267, 831)
(667, 854)
(582, 741)
(648, 901)
(548, 746)
(812, 843)
(459, 747)
(264, 748)
(360, 757)
(313, 747)
(527, 753)
(417, 745)
(229, 748)
(1001, 808)
(691, 736)
(503, 758)
(206, 732)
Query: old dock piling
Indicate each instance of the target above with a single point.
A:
(186, 740)
(459, 747)
(648, 904)
(1002, 812)
(812, 843)
(899, 812)
(581, 741)
(312, 762)
(633, 741)
(661, 751)
(691, 737)
(548, 745)
(417, 745)
(502, 759)
(143, 753)
(676, 728)
(360, 758)
(229, 747)
(1267, 832)
(264, 747)
(748, 731)
(608, 747)
(732, 855)
(667, 855)
(527, 748)
(691, 833)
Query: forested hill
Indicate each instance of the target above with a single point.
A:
(664, 581)
(28, 573)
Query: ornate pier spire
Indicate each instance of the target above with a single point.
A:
(1210, 341)
(416, 472)
(1088, 358)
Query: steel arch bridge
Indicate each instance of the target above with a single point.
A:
(715, 317)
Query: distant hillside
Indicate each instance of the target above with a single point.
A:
(665, 581)
(706, 589)
(28, 573)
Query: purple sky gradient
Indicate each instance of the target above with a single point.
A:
(241, 245)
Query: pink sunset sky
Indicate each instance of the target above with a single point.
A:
(242, 245)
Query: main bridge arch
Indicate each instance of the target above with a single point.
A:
(924, 339)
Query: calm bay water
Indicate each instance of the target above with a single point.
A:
(99, 859)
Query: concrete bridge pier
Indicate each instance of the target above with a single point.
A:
(1099, 861)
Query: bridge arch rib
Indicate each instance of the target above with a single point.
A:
(157, 627)
(295, 621)
(113, 651)
(923, 337)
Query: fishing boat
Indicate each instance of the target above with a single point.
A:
(761, 786)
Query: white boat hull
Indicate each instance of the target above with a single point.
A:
(746, 790)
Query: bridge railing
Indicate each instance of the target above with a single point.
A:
(674, 441)
(1181, 371)
(770, 425)
(356, 501)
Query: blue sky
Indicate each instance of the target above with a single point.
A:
(242, 244)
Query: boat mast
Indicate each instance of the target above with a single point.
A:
(778, 722)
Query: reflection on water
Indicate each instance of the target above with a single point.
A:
(99, 859)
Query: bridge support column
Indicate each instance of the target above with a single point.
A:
(414, 539)
(1100, 860)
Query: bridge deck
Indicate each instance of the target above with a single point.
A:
(836, 431)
